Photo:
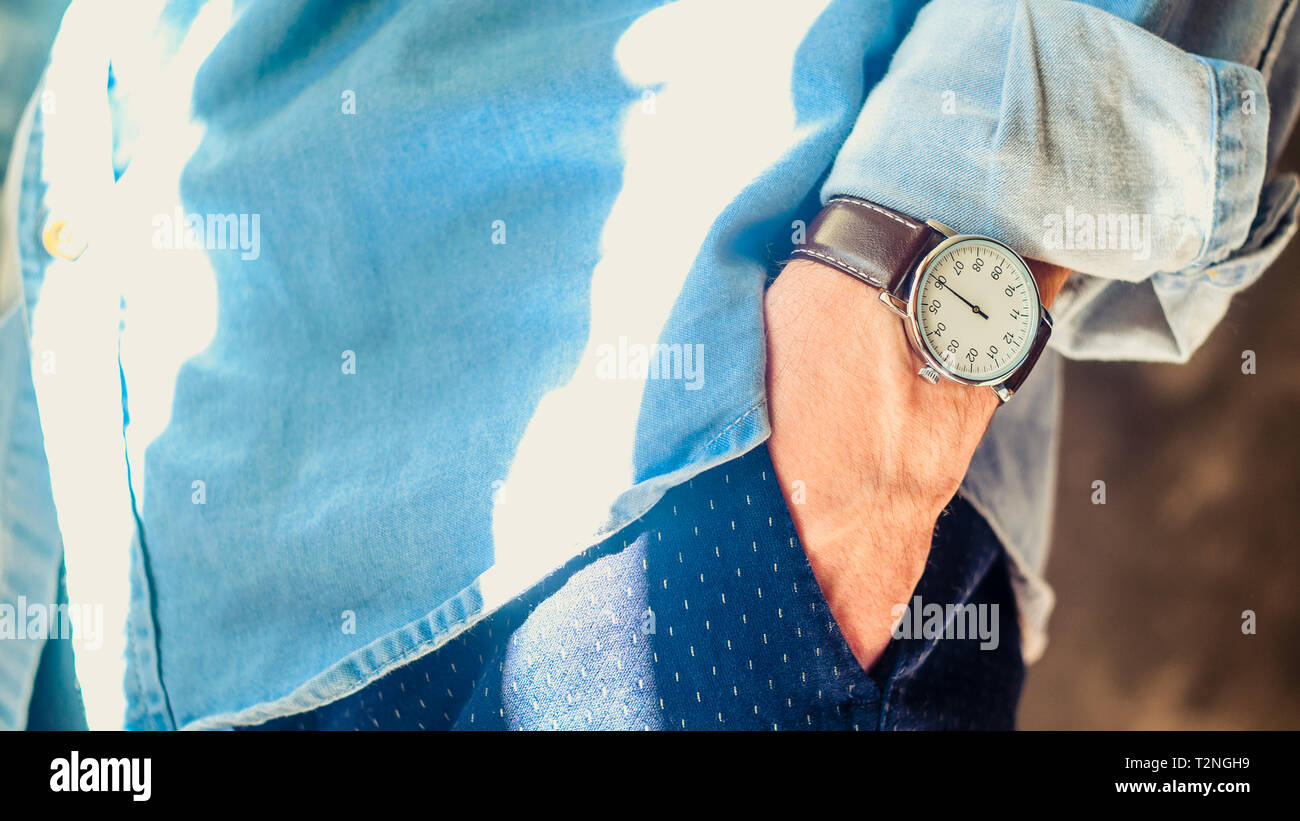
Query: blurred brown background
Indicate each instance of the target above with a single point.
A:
(1201, 522)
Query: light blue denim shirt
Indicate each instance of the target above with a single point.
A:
(387, 310)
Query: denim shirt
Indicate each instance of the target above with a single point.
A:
(388, 310)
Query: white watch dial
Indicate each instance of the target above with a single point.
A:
(977, 309)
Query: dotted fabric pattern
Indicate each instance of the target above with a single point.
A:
(704, 614)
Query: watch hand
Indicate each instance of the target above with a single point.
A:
(974, 308)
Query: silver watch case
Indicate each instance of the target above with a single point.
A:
(906, 308)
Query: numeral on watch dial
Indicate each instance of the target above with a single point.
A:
(979, 292)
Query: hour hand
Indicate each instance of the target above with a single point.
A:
(974, 308)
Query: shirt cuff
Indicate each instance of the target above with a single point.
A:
(1082, 140)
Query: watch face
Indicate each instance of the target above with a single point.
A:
(976, 307)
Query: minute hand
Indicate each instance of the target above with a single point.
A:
(973, 307)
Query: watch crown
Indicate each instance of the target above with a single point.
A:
(929, 374)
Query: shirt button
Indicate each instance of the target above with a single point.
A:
(62, 240)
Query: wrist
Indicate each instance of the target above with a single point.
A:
(842, 382)
(1050, 279)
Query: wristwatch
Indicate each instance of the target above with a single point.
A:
(969, 303)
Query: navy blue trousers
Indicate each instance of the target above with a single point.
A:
(704, 614)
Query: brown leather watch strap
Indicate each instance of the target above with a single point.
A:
(873, 243)
(1017, 377)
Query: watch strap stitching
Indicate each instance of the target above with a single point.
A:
(841, 264)
(878, 209)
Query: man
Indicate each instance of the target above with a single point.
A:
(452, 393)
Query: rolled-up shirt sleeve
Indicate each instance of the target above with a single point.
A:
(1086, 141)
